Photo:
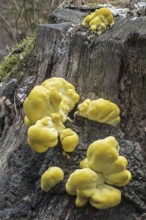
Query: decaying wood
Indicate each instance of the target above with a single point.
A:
(111, 66)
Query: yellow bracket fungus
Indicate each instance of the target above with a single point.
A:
(66, 90)
(103, 157)
(100, 110)
(99, 20)
(97, 26)
(102, 166)
(54, 95)
(69, 140)
(89, 185)
(46, 109)
(88, 19)
(44, 134)
(84, 163)
(106, 16)
(105, 197)
(39, 104)
(51, 177)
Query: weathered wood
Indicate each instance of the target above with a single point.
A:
(112, 66)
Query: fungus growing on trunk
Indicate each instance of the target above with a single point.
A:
(51, 177)
(99, 20)
(100, 110)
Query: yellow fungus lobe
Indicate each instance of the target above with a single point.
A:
(51, 177)
(106, 16)
(69, 140)
(89, 185)
(44, 134)
(54, 95)
(100, 110)
(99, 20)
(88, 19)
(105, 197)
(102, 166)
(103, 157)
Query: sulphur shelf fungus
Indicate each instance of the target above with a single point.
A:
(69, 140)
(54, 95)
(88, 185)
(99, 20)
(100, 110)
(51, 177)
(102, 168)
(105, 197)
(44, 134)
(103, 157)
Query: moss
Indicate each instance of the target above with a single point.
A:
(16, 58)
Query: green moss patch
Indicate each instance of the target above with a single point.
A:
(16, 58)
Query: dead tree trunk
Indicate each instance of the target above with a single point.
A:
(111, 66)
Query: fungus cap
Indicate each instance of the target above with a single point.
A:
(54, 95)
(84, 163)
(99, 20)
(83, 183)
(67, 92)
(106, 16)
(103, 157)
(105, 197)
(97, 25)
(51, 177)
(102, 153)
(118, 178)
(88, 185)
(69, 140)
(38, 105)
(88, 19)
(44, 134)
(100, 110)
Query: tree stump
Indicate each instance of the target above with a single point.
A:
(111, 66)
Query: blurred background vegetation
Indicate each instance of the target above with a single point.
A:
(20, 18)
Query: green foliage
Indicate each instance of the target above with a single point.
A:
(16, 57)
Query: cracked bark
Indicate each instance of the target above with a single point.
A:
(111, 66)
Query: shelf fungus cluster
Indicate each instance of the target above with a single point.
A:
(99, 20)
(54, 95)
(102, 169)
(46, 110)
(100, 110)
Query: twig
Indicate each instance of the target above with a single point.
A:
(19, 15)
(11, 32)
